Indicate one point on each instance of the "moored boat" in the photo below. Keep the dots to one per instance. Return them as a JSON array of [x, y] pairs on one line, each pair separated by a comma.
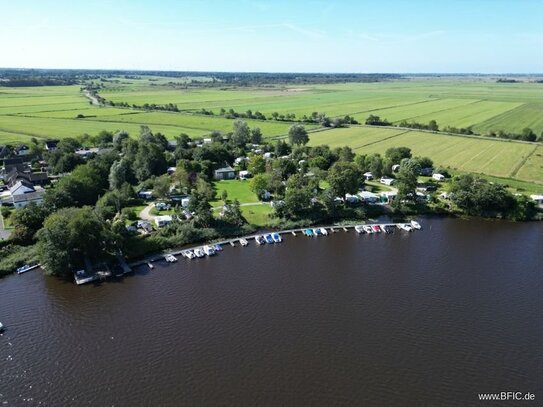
[[218, 248], [405, 226], [243, 241], [276, 237], [376, 228], [199, 253], [367, 229], [359, 229], [316, 232], [269, 238], [209, 250], [2, 327], [260, 239], [415, 224], [308, 232], [23, 269], [189, 254], [324, 231], [170, 258]]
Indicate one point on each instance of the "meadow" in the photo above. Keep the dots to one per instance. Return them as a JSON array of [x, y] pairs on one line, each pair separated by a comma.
[[481, 103], [501, 158]]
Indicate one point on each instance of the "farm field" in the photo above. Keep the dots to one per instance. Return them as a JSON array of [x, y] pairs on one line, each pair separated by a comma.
[[492, 157], [51, 112]]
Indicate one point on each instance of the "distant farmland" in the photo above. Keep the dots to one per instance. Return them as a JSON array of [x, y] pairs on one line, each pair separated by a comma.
[[62, 111], [493, 157]]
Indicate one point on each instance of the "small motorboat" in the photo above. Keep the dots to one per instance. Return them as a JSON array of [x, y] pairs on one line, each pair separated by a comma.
[[2, 327], [218, 248], [316, 232], [189, 254], [170, 258], [276, 237], [23, 269], [376, 228], [199, 253], [308, 232], [209, 250], [387, 229], [269, 239], [324, 231], [406, 227], [416, 225], [243, 242], [367, 229], [260, 240], [150, 265], [359, 229]]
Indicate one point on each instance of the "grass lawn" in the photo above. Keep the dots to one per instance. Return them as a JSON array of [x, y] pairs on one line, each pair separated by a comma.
[[258, 214], [236, 189]]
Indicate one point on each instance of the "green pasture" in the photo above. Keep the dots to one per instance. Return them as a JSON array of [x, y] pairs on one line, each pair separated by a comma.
[[499, 158]]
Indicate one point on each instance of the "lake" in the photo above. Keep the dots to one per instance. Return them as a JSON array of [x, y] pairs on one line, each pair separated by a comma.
[[432, 317]]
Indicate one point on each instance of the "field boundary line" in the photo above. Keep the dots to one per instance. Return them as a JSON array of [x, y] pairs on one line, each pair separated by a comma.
[[522, 162], [381, 140]]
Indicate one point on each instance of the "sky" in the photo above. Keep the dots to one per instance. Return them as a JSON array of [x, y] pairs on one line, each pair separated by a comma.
[[411, 36]]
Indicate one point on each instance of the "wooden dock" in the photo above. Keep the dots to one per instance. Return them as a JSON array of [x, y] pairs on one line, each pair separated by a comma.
[[160, 256]]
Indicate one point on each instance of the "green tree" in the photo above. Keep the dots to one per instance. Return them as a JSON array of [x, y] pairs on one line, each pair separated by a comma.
[[119, 139], [407, 182], [256, 135], [68, 236], [233, 215], [257, 164], [119, 174], [161, 188], [344, 178], [199, 205], [432, 125], [241, 134], [26, 222], [297, 135]]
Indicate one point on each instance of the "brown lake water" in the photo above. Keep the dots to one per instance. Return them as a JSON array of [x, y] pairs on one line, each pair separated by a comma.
[[428, 318]]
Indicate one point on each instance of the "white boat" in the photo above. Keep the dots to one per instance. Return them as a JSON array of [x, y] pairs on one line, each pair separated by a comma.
[[2, 327], [260, 240], [209, 251], [316, 232], [150, 265], [405, 226], [367, 229], [170, 258], [23, 269], [359, 229], [189, 254], [324, 231], [276, 237], [199, 253], [416, 224], [243, 242]]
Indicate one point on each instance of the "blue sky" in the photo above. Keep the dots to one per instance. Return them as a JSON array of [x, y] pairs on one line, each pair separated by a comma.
[[485, 36]]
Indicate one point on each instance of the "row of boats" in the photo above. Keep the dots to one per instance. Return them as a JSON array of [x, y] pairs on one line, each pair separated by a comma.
[[369, 229], [269, 238], [272, 238]]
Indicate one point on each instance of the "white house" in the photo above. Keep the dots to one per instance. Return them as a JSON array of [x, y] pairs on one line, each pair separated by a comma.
[[538, 200], [387, 181], [22, 193], [163, 220], [368, 176], [389, 196], [438, 177]]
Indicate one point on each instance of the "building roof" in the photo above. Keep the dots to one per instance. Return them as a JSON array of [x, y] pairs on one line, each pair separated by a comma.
[[537, 197], [28, 197], [225, 169], [21, 187]]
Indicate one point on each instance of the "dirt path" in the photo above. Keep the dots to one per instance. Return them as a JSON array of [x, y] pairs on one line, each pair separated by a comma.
[[145, 213], [92, 98]]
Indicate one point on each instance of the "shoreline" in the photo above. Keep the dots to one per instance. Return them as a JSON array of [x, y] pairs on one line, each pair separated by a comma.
[[333, 228]]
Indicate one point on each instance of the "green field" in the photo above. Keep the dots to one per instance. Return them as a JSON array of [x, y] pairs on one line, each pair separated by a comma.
[[50, 112], [474, 154]]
